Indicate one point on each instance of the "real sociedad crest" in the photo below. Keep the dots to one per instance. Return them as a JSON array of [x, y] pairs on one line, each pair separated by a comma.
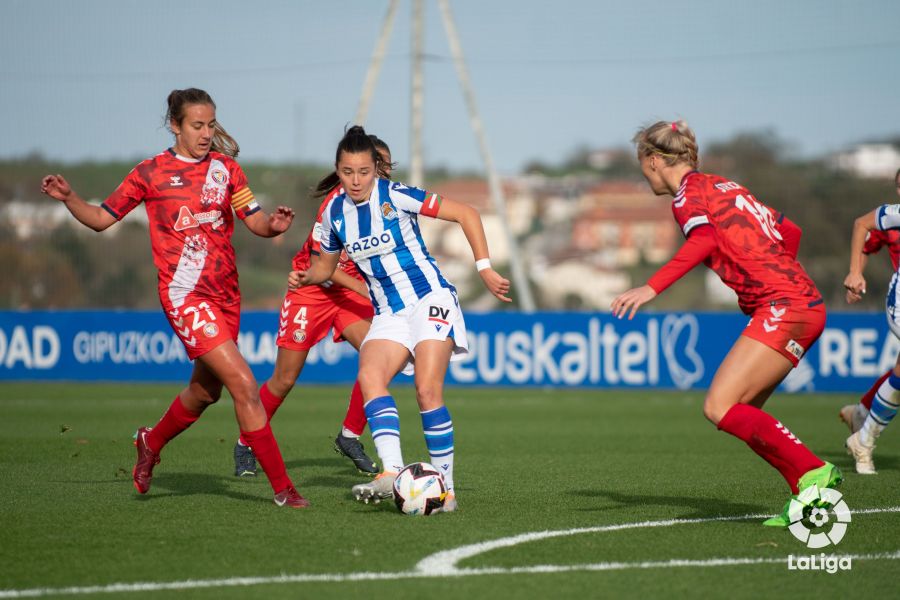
[[388, 211]]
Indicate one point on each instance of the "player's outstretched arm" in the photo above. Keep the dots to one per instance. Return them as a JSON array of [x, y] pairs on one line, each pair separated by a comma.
[[320, 270], [270, 225], [470, 222], [854, 282], [352, 283], [90, 215]]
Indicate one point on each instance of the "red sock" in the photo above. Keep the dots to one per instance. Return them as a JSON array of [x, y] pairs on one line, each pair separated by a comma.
[[270, 402], [771, 440], [269, 456], [175, 420], [355, 420], [867, 399]]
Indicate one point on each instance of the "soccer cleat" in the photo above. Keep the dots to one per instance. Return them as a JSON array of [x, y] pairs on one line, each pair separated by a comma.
[[146, 460], [853, 416], [244, 461], [449, 503], [291, 498], [353, 449], [826, 476], [782, 519], [378, 489], [862, 454]]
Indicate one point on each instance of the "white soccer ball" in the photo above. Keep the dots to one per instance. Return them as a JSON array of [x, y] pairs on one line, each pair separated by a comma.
[[419, 489]]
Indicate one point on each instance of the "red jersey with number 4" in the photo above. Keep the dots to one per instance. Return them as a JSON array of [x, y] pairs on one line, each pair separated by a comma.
[[750, 257], [313, 244], [189, 204], [890, 238]]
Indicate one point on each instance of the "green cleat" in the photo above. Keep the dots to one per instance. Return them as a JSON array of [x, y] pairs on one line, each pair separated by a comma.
[[826, 476], [782, 519]]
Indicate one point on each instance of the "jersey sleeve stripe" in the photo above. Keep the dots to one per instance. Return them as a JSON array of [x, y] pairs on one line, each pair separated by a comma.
[[105, 207], [694, 222]]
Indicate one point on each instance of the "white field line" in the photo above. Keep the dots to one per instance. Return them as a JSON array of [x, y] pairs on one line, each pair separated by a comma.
[[443, 564]]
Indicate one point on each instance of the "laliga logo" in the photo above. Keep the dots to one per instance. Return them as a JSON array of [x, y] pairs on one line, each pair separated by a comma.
[[819, 517], [671, 330]]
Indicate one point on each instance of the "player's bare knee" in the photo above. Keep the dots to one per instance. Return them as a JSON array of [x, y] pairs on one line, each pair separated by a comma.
[[244, 392], [281, 384], [429, 395]]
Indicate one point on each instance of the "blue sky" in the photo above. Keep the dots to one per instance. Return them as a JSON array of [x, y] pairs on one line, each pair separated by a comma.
[[88, 80]]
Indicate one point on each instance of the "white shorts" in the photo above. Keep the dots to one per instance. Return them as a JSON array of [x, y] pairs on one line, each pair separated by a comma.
[[892, 306], [437, 316]]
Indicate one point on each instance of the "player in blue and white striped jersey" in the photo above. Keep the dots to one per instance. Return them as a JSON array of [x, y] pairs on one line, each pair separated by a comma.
[[417, 315], [886, 403]]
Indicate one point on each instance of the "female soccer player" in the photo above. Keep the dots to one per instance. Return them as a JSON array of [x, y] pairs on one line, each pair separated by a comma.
[[738, 237], [190, 192], [417, 314], [307, 314], [878, 407]]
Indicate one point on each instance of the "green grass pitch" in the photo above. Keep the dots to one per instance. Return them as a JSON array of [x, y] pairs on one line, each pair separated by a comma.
[[527, 461]]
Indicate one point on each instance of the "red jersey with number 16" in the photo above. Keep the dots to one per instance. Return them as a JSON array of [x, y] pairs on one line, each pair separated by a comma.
[[750, 257], [189, 204]]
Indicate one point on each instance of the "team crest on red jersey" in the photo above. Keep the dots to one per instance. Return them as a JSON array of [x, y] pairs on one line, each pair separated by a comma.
[[218, 176]]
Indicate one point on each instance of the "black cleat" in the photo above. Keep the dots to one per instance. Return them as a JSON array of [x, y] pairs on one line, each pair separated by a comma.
[[353, 449], [244, 461]]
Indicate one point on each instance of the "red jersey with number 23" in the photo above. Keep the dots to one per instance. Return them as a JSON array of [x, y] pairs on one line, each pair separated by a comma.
[[750, 257], [189, 204]]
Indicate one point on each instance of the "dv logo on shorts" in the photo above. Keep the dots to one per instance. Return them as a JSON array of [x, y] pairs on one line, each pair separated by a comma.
[[438, 315], [210, 330]]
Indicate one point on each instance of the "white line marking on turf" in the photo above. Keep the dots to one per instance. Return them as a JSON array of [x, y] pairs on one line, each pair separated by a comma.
[[443, 564]]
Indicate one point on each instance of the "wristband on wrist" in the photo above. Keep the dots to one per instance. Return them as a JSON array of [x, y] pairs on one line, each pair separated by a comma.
[[484, 263]]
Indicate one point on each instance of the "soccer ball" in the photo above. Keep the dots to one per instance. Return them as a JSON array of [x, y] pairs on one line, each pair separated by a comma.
[[419, 489]]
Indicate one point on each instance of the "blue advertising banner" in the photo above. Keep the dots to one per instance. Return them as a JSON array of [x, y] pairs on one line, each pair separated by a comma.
[[666, 350]]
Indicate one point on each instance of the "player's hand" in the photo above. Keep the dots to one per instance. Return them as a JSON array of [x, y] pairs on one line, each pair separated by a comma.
[[496, 284], [56, 187], [280, 220], [295, 278], [855, 284], [632, 300]]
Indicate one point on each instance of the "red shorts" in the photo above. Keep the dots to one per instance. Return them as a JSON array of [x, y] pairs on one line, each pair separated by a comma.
[[790, 328], [202, 324], [308, 313]]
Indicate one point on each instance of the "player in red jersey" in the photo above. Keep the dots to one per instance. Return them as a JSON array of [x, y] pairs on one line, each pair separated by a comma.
[[307, 314], [190, 193], [864, 421], [854, 415], [740, 239]]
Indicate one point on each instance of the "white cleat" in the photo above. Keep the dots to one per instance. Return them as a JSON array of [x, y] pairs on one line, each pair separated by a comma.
[[380, 488], [862, 454], [449, 503], [853, 416]]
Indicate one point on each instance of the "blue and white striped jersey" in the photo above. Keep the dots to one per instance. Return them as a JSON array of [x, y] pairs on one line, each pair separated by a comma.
[[382, 237], [887, 217]]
